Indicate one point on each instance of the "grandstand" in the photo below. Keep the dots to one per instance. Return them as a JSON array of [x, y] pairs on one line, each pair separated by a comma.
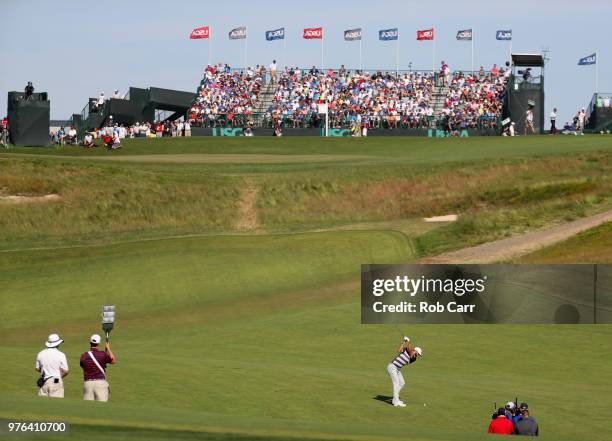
[[229, 97], [599, 113]]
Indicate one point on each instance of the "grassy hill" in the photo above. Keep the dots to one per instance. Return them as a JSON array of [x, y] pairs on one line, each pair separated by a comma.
[[225, 333]]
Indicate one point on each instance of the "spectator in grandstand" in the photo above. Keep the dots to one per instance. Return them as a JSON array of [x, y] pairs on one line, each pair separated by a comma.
[[29, 91], [444, 74], [273, 72], [88, 141], [507, 71], [117, 95], [159, 129], [481, 72], [553, 121]]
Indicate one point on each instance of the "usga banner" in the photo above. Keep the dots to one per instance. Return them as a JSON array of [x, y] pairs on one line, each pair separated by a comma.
[[238, 33], [352, 34], [388, 34], [587, 61], [276, 34], [313, 33], [197, 33], [465, 35], [426, 34], [504, 34]]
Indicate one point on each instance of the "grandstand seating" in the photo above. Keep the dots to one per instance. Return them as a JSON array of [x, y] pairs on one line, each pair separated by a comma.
[[413, 99]]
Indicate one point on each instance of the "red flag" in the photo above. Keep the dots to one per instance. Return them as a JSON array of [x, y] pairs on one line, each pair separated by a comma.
[[427, 34], [313, 33], [197, 33]]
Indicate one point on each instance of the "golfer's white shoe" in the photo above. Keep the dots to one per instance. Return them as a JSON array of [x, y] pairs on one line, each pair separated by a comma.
[[399, 404]]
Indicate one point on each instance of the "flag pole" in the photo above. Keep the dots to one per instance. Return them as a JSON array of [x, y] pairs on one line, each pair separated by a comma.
[[433, 63], [246, 51], [210, 48], [360, 59], [596, 72], [322, 68], [472, 51], [285, 49], [397, 55]]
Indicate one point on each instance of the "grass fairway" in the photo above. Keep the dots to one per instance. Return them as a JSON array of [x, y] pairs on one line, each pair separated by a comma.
[[236, 334]]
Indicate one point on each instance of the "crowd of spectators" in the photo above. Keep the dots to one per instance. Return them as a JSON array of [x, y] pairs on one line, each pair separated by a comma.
[[375, 100], [227, 97], [380, 99], [112, 133], [474, 100]]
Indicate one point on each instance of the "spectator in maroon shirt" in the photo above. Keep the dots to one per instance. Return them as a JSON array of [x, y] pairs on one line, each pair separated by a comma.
[[93, 363], [501, 425]]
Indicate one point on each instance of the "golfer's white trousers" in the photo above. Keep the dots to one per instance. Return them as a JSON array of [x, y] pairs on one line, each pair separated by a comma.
[[398, 381]]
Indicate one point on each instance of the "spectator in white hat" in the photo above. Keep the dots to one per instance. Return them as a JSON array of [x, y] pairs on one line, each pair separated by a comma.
[[93, 363], [53, 366]]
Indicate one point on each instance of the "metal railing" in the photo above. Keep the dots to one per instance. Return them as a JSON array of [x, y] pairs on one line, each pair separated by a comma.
[[599, 100], [343, 121]]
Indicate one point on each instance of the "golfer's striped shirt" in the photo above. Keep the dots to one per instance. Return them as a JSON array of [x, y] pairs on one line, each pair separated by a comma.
[[403, 359]]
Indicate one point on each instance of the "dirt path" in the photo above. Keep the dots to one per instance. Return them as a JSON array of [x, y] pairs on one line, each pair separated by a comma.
[[520, 245], [247, 218]]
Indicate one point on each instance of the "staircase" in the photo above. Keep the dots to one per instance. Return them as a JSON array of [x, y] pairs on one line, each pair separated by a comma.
[[438, 97], [265, 99]]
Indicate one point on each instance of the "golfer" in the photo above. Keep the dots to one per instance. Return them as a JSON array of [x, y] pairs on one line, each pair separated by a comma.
[[94, 364], [407, 354], [53, 366]]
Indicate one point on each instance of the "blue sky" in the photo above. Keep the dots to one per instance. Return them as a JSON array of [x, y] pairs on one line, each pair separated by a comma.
[[75, 49]]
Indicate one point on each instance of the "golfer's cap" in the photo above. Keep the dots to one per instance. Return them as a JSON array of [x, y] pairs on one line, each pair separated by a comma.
[[510, 405], [419, 351], [53, 341], [524, 406], [95, 339]]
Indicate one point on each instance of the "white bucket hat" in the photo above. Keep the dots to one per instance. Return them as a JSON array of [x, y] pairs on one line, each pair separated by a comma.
[[95, 339], [419, 351], [53, 341]]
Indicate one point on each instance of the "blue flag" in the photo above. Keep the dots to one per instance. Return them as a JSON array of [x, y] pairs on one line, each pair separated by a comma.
[[504, 35], [388, 34], [587, 61], [276, 34]]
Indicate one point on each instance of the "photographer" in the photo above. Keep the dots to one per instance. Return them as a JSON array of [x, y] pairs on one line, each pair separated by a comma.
[[29, 91], [53, 367], [501, 425], [526, 424]]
